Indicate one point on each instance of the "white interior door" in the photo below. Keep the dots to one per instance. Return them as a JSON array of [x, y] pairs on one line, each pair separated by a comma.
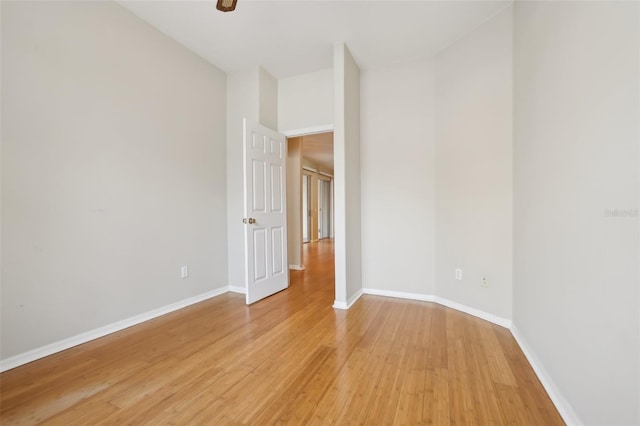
[[265, 212]]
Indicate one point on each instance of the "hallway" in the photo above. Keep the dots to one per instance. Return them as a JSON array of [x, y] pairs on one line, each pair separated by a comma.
[[290, 358], [317, 279]]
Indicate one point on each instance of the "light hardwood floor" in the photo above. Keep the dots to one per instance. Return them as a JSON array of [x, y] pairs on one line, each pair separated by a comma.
[[290, 359]]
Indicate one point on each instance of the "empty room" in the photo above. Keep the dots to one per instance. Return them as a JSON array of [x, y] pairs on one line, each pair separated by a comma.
[[320, 212]]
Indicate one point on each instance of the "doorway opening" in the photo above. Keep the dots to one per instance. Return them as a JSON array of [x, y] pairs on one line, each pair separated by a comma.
[[324, 208], [309, 197], [317, 204]]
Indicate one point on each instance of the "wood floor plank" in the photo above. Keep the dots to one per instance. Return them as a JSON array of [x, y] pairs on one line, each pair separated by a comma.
[[68, 392], [289, 359], [435, 409], [461, 377], [370, 367], [481, 383], [411, 398], [536, 401]]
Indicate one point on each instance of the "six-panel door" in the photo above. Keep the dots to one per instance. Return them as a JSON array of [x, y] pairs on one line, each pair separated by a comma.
[[265, 201]]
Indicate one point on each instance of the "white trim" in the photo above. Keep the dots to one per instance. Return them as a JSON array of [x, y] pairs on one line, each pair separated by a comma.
[[237, 289], [399, 294], [353, 299], [52, 348], [326, 174], [349, 303], [503, 322], [562, 405], [309, 169], [297, 267], [340, 305], [308, 130]]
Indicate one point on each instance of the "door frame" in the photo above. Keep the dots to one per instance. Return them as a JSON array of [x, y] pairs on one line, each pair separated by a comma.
[[292, 133]]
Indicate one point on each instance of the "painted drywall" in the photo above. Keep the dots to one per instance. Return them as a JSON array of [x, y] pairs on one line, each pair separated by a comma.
[[398, 178], [243, 101], [294, 201], [113, 171], [576, 160], [268, 99], [346, 149], [474, 168], [305, 101]]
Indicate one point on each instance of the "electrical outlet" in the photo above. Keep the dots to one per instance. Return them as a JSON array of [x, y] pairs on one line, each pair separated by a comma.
[[458, 274], [484, 282], [184, 272]]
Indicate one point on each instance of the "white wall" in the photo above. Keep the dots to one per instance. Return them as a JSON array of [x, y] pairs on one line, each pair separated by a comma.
[[474, 167], [398, 178], [268, 99], [243, 101], [113, 171], [346, 149], [305, 101], [576, 70]]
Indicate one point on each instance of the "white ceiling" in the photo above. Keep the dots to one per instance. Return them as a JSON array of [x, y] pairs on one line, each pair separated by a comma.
[[319, 149], [295, 37]]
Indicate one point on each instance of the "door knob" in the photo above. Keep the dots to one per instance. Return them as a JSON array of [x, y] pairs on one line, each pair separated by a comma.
[[250, 221]]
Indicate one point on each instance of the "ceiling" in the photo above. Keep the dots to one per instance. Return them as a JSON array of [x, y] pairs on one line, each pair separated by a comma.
[[319, 149], [296, 36]]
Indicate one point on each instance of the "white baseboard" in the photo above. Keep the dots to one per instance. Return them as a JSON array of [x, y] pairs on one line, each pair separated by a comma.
[[237, 289], [503, 322], [562, 405], [399, 294], [353, 299], [50, 349], [297, 267], [340, 305], [349, 303]]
